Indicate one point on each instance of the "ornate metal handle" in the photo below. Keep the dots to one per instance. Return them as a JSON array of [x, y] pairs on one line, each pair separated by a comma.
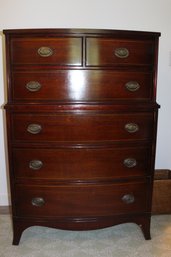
[[38, 201], [45, 51], [33, 86], [130, 162], [128, 199], [35, 164], [121, 52], [34, 128], [131, 127], [132, 86]]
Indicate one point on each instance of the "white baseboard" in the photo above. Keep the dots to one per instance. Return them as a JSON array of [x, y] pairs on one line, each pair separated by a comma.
[[4, 200]]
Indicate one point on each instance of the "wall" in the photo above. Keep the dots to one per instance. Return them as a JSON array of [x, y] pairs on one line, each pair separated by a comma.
[[153, 15]]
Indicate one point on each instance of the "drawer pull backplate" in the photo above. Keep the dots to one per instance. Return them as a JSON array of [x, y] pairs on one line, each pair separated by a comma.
[[35, 164], [131, 127], [121, 52], [38, 201], [33, 86], [132, 86], [34, 128], [128, 198], [45, 51], [130, 162]]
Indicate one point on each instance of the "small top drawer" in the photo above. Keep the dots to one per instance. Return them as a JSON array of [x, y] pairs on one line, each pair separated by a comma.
[[111, 52], [55, 51]]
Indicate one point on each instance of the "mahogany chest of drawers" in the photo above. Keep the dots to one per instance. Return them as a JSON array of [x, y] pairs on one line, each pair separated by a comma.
[[81, 125]]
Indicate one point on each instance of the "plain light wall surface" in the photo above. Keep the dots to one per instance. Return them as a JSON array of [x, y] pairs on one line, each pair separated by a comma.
[[146, 15]]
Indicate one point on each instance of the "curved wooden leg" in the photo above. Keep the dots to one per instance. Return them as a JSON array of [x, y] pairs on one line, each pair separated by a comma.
[[18, 227], [145, 227], [17, 232]]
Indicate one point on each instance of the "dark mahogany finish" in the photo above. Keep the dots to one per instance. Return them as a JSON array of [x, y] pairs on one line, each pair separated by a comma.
[[100, 52], [81, 123], [95, 163], [66, 51], [81, 127], [93, 85], [97, 199]]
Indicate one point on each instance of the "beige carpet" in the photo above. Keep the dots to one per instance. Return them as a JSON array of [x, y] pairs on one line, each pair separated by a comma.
[[124, 240]]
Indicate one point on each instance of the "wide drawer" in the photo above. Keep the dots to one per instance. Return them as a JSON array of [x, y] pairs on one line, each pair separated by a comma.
[[81, 127], [81, 163], [55, 51], [109, 52], [81, 85], [81, 200]]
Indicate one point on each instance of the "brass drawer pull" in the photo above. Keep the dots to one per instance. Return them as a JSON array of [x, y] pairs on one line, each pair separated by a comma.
[[38, 201], [121, 52], [35, 164], [128, 198], [131, 127], [130, 162], [33, 86], [34, 128], [45, 51], [132, 86]]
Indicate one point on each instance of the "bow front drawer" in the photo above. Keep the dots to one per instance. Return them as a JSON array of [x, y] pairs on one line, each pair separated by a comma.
[[94, 163], [81, 200], [81, 127], [44, 51], [81, 85]]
